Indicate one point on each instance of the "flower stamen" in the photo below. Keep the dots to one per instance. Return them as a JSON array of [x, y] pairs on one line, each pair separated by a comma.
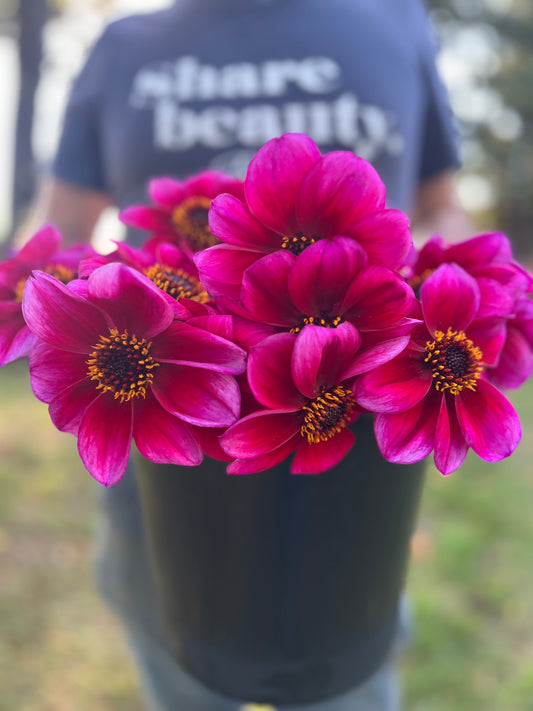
[[177, 283], [296, 243], [190, 219], [317, 321], [328, 414], [122, 365], [454, 360]]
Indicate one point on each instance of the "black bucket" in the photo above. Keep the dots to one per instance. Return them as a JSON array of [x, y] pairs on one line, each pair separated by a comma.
[[279, 588]]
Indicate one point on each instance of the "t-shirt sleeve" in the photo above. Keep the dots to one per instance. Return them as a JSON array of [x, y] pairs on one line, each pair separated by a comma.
[[440, 140], [79, 157]]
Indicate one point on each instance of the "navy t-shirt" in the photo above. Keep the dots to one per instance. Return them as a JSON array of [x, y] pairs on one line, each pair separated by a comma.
[[205, 83]]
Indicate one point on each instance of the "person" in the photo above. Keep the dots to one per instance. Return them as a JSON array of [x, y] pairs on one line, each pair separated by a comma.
[[202, 85]]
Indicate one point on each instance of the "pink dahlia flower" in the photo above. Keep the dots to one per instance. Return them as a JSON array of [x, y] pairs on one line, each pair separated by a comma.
[[180, 210], [435, 396], [295, 197], [115, 366], [304, 383], [488, 258], [330, 283], [42, 252]]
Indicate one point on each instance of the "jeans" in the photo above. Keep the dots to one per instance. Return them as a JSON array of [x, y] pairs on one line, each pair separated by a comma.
[[126, 584]]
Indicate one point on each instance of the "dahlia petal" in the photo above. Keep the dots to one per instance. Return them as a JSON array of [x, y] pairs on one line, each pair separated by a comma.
[[491, 247], [495, 300], [316, 458], [232, 222], [450, 445], [20, 345], [212, 182], [15, 337], [408, 437], [216, 324], [395, 386], [249, 333], [221, 269], [377, 298], [201, 397], [274, 177], [269, 373], [167, 192], [385, 236], [450, 299], [163, 438], [375, 355], [489, 422], [322, 274], [132, 301], [67, 408], [52, 369], [56, 315], [516, 361], [489, 336], [430, 255], [183, 344], [260, 433], [208, 440], [265, 290], [337, 190], [104, 439], [321, 355], [41, 246], [152, 219], [253, 465]]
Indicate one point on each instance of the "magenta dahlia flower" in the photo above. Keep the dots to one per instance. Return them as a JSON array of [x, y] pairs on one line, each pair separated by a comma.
[[330, 283], [180, 210], [42, 252], [304, 383], [435, 395], [115, 366], [294, 198]]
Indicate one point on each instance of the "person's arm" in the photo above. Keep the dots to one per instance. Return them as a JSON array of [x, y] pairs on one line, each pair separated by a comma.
[[437, 210], [73, 209]]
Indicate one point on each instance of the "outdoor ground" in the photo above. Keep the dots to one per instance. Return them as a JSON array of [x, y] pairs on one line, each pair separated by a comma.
[[61, 650]]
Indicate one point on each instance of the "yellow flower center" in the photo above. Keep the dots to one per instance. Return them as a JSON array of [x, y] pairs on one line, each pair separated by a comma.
[[177, 283], [122, 365], [327, 415], [454, 360], [317, 321], [190, 220], [296, 243]]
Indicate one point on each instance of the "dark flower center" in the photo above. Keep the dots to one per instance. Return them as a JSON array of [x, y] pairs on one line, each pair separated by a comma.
[[122, 365], [177, 283], [296, 243], [325, 322], [454, 360], [190, 219], [327, 415]]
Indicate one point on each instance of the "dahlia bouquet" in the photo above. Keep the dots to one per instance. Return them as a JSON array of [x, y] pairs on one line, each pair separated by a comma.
[[260, 319]]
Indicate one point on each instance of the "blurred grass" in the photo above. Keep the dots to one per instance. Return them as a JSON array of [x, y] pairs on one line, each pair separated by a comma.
[[470, 579]]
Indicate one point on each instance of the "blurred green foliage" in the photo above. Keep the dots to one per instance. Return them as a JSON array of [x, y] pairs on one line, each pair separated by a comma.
[[488, 64]]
